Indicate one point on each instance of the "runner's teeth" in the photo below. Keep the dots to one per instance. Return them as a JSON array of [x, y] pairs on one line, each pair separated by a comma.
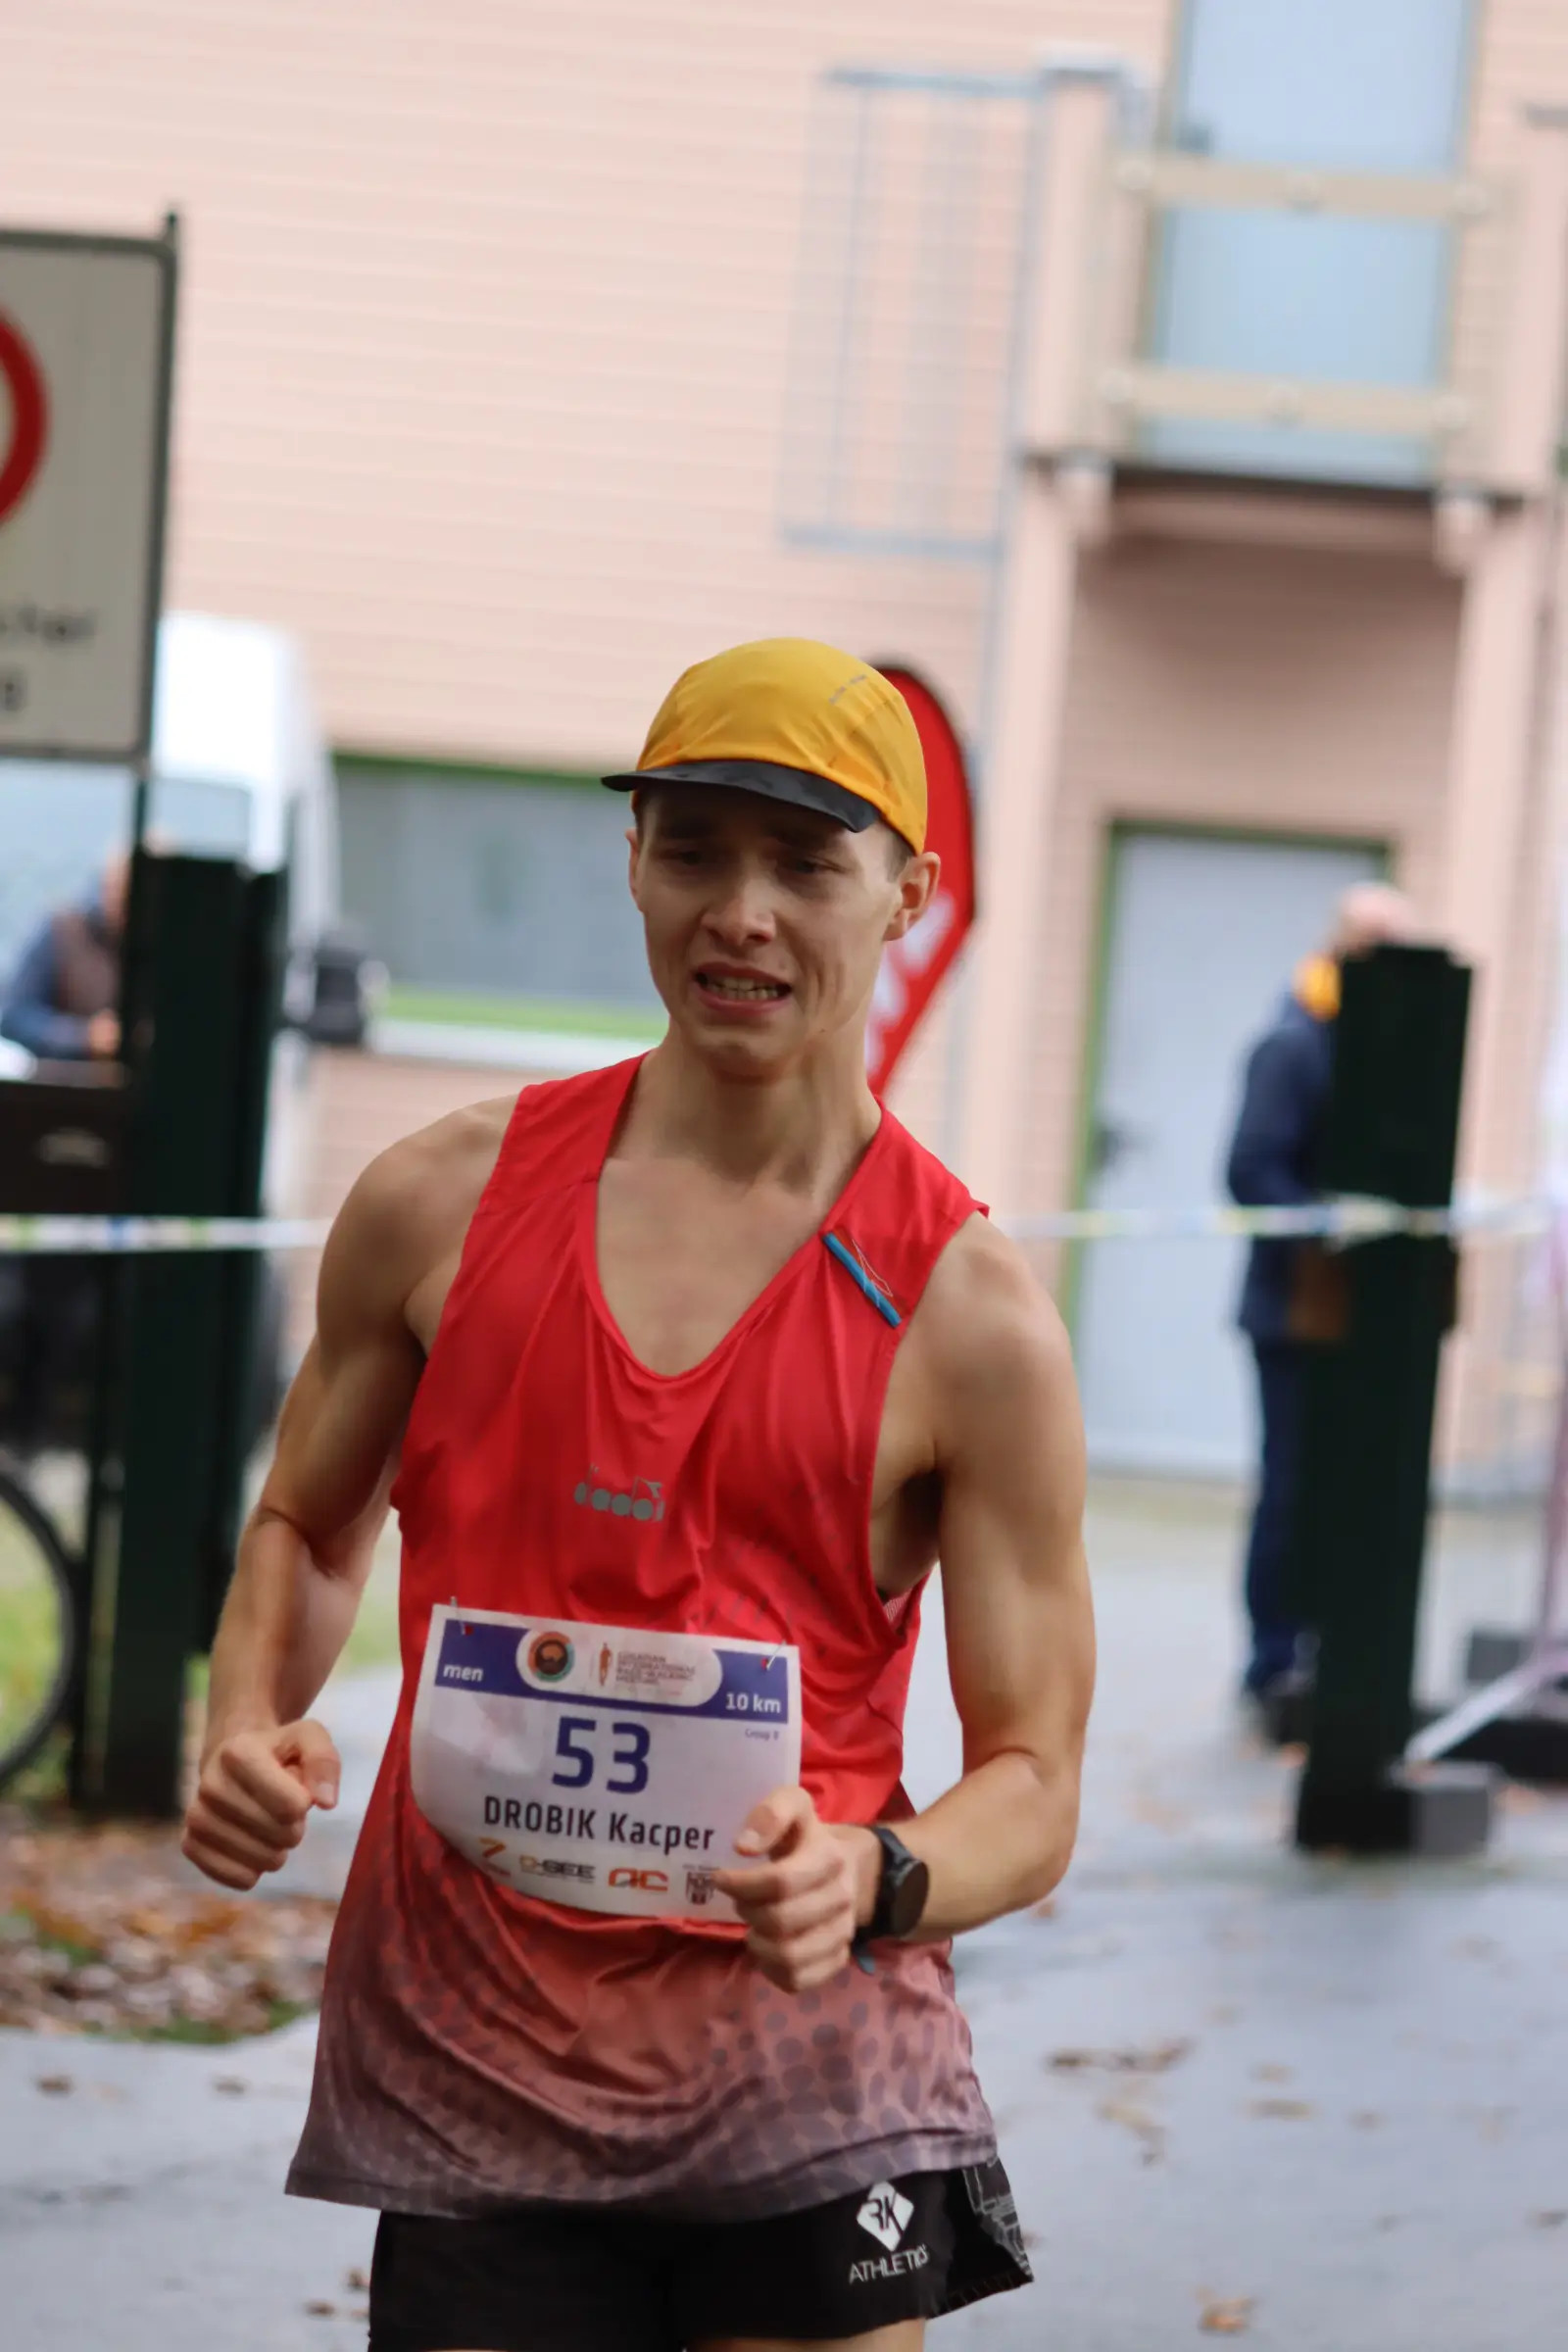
[[743, 988]]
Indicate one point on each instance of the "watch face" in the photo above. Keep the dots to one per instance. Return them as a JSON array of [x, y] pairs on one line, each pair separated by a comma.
[[908, 1904]]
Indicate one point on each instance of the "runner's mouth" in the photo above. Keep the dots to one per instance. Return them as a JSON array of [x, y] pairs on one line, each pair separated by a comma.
[[734, 988]]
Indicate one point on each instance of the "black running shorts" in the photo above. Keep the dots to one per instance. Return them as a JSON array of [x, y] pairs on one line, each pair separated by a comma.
[[570, 2278]]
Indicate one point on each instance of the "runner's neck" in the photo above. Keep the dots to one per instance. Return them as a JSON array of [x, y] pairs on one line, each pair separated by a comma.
[[802, 1131]]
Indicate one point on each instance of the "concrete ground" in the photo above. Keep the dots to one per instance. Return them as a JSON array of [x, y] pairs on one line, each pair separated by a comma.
[[1312, 2103]]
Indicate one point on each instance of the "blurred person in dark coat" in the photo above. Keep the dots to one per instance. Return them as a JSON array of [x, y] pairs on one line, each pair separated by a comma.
[[61, 1004], [1274, 1163]]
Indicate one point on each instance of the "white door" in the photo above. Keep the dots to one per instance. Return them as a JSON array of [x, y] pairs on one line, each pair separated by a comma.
[[1204, 936], [1371, 85]]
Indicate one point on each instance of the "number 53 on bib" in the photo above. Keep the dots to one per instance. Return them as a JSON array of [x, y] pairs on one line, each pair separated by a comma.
[[597, 1765]]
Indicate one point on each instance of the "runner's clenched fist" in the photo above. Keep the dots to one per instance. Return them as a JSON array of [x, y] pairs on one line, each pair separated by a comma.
[[804, 1901], [256, 1788]]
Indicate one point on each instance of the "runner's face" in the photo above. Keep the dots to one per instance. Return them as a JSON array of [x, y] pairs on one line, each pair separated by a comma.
[[765, 923]]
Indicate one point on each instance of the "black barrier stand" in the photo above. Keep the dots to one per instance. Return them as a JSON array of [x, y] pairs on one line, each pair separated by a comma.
[[205, 960], [1361, 1534]]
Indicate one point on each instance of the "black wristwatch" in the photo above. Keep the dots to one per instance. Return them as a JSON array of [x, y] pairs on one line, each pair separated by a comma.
[[900, 1894]]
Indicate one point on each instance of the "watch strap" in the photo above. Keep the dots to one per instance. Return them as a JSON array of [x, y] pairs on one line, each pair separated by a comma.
[[898, 1866]]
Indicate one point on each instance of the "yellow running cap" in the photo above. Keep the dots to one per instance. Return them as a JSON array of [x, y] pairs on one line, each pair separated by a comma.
[[795, 721]]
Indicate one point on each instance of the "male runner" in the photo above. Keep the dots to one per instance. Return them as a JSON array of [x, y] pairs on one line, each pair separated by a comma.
[[687, 1371]]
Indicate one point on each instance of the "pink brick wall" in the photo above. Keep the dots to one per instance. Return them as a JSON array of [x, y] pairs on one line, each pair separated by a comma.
[[484, 329], [1250, 688], [485, 321]]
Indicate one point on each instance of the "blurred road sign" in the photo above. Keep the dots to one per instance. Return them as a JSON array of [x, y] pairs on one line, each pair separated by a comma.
[[914, 966], [86, 340]]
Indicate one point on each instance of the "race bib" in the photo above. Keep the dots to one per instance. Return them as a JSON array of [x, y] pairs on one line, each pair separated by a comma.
[[596, 1765]]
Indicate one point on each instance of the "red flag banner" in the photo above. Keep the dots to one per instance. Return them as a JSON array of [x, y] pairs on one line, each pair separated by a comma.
[[914, 966]]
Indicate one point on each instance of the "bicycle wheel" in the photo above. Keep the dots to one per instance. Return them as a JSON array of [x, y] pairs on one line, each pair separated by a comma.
[[38, 1629]]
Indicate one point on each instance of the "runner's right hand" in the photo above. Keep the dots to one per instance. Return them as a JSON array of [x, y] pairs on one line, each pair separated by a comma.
[[256, 1787]]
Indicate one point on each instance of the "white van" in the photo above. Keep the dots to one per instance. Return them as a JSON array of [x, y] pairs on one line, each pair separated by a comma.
[[239, 771]]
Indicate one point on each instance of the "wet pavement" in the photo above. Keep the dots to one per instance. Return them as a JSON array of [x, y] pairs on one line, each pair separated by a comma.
[[1310, 2103], [1319, 2101]]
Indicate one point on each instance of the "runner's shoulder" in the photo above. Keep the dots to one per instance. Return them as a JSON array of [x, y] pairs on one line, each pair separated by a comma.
[[991, 1332], [412, 1205]]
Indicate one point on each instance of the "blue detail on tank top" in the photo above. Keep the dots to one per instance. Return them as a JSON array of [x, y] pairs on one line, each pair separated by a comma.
[[857, 1273]]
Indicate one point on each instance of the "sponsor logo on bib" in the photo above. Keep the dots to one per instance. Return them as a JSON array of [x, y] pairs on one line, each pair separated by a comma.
[[550, 1657], [552, 1867]]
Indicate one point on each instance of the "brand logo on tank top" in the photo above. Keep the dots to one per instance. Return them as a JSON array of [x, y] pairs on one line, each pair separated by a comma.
[[596, 1493]]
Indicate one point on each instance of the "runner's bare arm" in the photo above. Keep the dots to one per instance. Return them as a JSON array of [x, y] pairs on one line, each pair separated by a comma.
[[1015, 1585], [306, 1547], [998, 1378]]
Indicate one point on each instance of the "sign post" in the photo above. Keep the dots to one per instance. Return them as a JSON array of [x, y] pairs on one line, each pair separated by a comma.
[[1359, 1528]]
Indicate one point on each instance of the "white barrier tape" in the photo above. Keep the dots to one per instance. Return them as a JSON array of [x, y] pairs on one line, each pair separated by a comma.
[[138, 1237], [1346, 1220]]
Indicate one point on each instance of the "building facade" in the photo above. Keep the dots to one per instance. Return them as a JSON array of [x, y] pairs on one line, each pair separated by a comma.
[[1175, 383]]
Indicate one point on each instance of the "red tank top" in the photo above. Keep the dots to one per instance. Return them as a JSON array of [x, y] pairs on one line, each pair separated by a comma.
[[480, 2048]]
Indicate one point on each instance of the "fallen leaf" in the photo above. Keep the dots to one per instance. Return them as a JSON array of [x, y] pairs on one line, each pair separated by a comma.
[[321, 2310], [232, 2085], [1284, 2111], [1137, 2120], [357, 2283], [1548, 2220], [1227, 2318], [56, 2084], [1273, 2074], [1154, 2061]]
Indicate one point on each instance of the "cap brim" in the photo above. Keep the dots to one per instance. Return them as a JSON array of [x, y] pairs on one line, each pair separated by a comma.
[[795, 785]]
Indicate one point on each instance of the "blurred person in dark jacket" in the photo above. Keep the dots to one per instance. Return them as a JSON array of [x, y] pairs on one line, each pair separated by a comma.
[[61, 1004], [1274, 1163]]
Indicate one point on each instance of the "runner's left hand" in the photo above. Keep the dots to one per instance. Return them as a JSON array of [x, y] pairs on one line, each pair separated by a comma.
[[801, 1903]]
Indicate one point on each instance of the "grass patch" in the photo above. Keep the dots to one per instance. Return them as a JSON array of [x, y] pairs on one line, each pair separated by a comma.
[[375, 1638], [30, 1628], [562, 1016], [43, 1786], [208, 2031]]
